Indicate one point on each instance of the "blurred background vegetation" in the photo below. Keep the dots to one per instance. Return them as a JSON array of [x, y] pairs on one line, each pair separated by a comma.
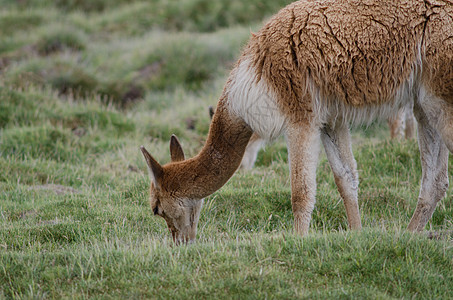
[[62, 63], [123, 49]]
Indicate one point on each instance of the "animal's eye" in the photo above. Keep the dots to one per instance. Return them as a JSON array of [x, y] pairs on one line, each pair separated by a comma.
[[156, 210]]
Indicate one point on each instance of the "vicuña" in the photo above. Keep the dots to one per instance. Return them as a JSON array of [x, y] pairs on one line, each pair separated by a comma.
[[315, 68]]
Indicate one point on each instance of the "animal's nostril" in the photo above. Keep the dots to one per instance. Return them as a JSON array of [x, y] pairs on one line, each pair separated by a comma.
[[156, 210]]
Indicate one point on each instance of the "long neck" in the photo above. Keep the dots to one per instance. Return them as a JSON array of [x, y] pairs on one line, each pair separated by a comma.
[[220, 157]]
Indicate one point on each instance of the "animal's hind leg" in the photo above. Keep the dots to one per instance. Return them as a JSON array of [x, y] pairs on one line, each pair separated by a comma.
[[251, 152], [397, 124], [409, 130], [434, 159], [303, 147], [337, 144], [438, 114]]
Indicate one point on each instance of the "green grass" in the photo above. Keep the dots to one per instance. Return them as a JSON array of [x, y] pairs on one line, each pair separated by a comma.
[[84, 83], [367, 265]]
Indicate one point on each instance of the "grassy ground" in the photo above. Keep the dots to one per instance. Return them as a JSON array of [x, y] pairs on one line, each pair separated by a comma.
[[83, 84]]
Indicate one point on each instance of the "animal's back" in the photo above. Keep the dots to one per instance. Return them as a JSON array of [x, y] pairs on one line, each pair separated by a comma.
[[355, 52]]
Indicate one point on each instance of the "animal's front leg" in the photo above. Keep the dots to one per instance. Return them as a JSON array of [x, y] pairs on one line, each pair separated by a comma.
[[303, 147]]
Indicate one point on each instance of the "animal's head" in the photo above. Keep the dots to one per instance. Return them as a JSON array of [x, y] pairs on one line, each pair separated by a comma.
[[167, 195]]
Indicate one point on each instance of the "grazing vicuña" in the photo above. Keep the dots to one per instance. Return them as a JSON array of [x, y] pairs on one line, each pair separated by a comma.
[[316, 67]]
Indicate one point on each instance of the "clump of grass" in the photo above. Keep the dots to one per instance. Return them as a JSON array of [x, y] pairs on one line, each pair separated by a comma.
[[12, 21], [15, 108], [46, 142], [65, 5], [187, 15], [36, 142], [18, 171], [39, 107], [62, 74], [136, 18], [204, 15], [88, 5], [187, 59], [59, 38], [26, 173], [110, 122], [70, 78], [123, 93]]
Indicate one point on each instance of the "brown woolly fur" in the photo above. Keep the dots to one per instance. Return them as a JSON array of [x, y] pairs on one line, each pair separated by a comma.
[[315, 67], [358, 52], [438, 74]]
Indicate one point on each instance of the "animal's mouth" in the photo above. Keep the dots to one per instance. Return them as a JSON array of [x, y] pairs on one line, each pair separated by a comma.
[[177, 239], [174, 234]]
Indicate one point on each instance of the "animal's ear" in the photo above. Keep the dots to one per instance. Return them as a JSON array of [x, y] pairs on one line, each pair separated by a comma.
[[211, 112], [155, 169], [176, 152]]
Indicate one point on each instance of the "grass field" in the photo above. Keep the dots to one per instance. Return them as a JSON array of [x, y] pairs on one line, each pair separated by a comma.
[[84, 83]]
